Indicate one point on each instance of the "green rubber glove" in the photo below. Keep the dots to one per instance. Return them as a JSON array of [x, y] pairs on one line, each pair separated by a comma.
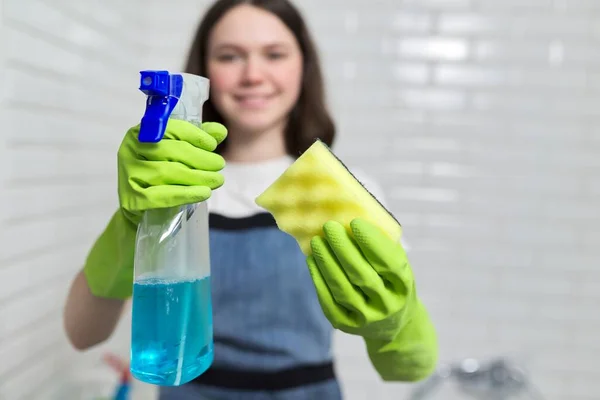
[[180, 169], [363, 279], [366, 287], [412, 355]]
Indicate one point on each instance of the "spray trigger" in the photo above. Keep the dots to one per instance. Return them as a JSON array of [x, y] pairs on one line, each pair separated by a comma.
[[163, 91]]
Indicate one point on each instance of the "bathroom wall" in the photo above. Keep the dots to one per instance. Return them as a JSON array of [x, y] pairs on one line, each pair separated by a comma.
[[71, 76], [479, 117]]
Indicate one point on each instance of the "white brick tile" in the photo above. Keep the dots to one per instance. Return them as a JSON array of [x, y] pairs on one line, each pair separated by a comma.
[[459, 23], [344, 147], [548, 53], [556, 210], [37, 123], [577, 6], [511, 77], [36, 13], [522, 52], [428, 157], [575, 106], [451, 170], [432, 99], [24, 348], [33, 236], [23, 383], [593, 185], [432, 48], [411, 72], [65, 60], [412, 22], [65, 196], [50, 91], [559, 259], [377, 21], [368, 73], [45, 163], [431, 143], [591, 238], [425, 194], [46, 267], [497, 257], [358, 47], [27, 308], [469, 76], [520, 24], [513, 5], [396, 168], [438, 5]]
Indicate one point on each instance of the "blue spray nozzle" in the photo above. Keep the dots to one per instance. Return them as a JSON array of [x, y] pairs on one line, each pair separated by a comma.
[[163, 90]]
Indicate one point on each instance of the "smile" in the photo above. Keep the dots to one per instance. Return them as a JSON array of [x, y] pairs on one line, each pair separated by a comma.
[[253, 101]]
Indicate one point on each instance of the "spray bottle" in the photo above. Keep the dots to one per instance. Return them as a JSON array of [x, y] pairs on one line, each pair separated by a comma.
[[172, 332]]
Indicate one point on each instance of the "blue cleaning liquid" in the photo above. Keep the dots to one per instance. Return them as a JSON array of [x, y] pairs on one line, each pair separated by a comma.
[[172, 332]]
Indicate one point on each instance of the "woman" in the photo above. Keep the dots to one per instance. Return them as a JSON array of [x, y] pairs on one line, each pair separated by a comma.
[[273, 308]]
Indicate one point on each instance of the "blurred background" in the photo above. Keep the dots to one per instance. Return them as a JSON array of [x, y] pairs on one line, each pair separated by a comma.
[[481, 118]]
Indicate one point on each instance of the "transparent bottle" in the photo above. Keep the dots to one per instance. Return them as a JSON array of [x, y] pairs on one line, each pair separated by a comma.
[[171, 333]]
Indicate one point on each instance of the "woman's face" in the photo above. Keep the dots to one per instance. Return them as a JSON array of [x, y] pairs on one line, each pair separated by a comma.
[[255, 69]]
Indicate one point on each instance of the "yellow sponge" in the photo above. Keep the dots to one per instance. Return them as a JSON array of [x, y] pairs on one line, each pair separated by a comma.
[[317, 188]]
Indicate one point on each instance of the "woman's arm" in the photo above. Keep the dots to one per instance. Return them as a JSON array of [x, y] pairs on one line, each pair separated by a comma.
[[98, 292], [89, 320], [412, 355]]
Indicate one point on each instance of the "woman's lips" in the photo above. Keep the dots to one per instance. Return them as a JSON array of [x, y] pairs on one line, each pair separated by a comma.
[[254, 100]]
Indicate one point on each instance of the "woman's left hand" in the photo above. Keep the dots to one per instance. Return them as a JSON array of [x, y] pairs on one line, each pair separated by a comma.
[[363, 280]]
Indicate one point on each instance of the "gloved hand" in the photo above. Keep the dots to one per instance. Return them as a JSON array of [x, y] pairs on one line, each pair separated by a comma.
[[366, 287], [180, 169], [363, 280]]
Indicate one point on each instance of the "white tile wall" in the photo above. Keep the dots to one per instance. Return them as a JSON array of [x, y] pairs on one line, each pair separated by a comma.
[[67, 69], [480, 117]]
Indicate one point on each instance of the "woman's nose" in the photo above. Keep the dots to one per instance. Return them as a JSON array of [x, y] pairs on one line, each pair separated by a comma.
[[253, 71]]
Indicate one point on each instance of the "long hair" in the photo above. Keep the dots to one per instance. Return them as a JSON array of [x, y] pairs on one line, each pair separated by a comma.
[[309, 119]]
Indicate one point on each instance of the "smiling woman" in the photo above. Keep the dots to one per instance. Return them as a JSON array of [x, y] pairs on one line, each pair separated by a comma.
[[265, 79], [272, 323]]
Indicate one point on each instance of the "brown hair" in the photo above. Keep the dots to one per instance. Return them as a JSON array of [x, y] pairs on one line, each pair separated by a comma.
[[309, 119]]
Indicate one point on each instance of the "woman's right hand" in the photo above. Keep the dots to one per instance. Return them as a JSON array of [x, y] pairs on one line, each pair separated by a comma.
[[180, 169]]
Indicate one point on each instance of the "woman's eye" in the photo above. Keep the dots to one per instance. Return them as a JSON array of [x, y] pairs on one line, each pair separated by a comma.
[[276, 56], [227, 57]]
